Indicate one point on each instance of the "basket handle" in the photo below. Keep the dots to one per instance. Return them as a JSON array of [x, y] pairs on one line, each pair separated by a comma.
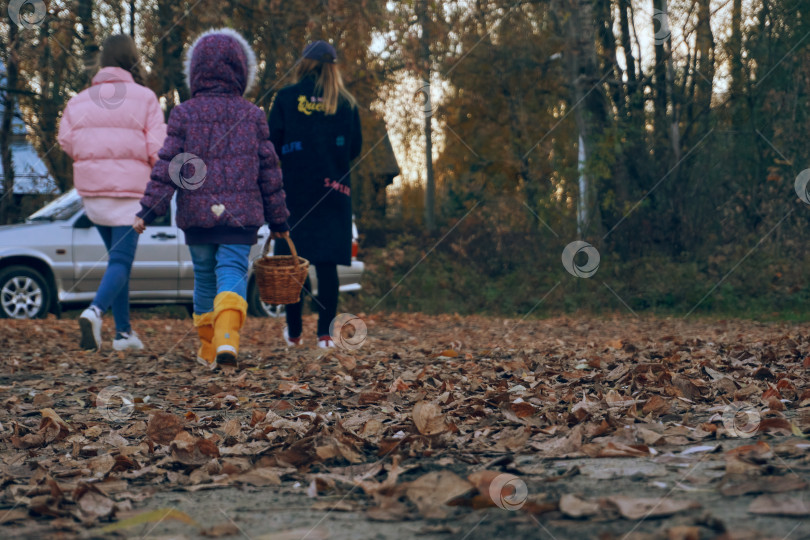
[[266, 248]]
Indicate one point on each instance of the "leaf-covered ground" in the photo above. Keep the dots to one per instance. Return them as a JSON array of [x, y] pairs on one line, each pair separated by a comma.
[[441, 427]]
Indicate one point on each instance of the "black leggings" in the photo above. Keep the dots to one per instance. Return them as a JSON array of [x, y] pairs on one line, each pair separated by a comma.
[[327, 301]]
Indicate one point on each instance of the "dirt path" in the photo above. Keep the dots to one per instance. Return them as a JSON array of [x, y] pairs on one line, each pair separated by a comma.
[[430, 427]]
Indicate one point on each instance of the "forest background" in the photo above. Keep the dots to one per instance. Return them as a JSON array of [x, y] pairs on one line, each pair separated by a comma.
[[669, 135]]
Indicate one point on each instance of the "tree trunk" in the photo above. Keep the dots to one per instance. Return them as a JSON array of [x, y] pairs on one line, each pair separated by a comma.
[[660, 23], [50, 103], [629, 59], [588, 108], [87, 38], [705, 59], [735, 49], [634, 151], [674, 124], [430, 187], [169, 59], [9, 108], [132, 18], [603, 13]]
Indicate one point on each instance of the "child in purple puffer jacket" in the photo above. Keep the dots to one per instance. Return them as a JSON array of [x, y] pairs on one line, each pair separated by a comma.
[[219, 158]]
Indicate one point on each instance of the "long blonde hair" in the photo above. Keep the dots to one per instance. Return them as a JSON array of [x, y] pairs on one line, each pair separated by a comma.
[[329, 82], [120, 51]]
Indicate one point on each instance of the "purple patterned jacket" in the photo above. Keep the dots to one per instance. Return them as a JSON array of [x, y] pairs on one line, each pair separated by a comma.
[[217, 153]]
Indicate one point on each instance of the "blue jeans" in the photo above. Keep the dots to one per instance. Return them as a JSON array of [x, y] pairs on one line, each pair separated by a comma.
[[218, 268], [121, 243]]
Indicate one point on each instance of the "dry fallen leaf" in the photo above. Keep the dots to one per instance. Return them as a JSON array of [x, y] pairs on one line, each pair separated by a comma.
[[617, 449], [767, 484], [261, 476], [222, 529], [96, 505], [152, 516], [190, 450], [758, 452], [101, 465], [684, 532], [428, 418], [334, 506], [497, 488], [15, 514], [232, 427], [431, 491], [639, 508], [388, 509], [49, 415], [308, 533], [615, 399], [574, 507], [561, 446], [347, 362], [163, 427], [655, 405], [359, 423], [779, 505]]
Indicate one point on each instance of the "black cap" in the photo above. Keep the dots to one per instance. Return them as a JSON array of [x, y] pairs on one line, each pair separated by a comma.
[[320, 51]]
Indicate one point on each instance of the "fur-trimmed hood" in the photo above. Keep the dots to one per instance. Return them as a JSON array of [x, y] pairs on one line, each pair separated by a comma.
[[220, 61]]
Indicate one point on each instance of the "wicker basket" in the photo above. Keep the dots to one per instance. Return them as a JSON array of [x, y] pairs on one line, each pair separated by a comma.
[[280, 278]]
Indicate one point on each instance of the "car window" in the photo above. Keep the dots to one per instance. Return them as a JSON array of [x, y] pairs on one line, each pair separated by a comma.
[[60, 208]]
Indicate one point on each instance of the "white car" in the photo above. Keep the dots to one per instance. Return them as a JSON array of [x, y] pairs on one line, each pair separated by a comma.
[[56, 258]]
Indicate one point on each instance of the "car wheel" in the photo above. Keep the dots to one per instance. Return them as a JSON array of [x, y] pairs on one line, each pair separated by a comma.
[[24, 293], [257, 308]]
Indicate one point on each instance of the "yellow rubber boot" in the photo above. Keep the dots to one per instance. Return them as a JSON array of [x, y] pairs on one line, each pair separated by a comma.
[[230, 311], [206, 354]]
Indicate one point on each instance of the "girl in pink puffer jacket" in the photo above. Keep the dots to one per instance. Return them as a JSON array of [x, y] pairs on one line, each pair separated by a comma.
[[113, 131]]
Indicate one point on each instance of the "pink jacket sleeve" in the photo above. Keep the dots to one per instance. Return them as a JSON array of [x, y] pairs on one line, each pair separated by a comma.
[[155, 130], [65, 136]]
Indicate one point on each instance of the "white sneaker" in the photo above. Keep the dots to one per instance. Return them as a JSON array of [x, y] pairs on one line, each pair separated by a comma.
[[292, 342], [124, 341], [325, 342], [90, 326]]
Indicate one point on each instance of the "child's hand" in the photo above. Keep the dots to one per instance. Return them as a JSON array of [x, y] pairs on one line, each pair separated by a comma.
[[280, 235], [139, 225]]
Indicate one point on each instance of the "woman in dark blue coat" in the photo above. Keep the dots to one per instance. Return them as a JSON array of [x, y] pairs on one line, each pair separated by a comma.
[[315, 127]]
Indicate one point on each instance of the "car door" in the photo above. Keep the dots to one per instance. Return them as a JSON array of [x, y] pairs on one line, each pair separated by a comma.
[[154, 271], [185, 266], [186, 269], [89, 256]]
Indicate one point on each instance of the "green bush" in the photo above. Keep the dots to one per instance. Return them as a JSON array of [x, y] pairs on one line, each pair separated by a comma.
[[477, 270]]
